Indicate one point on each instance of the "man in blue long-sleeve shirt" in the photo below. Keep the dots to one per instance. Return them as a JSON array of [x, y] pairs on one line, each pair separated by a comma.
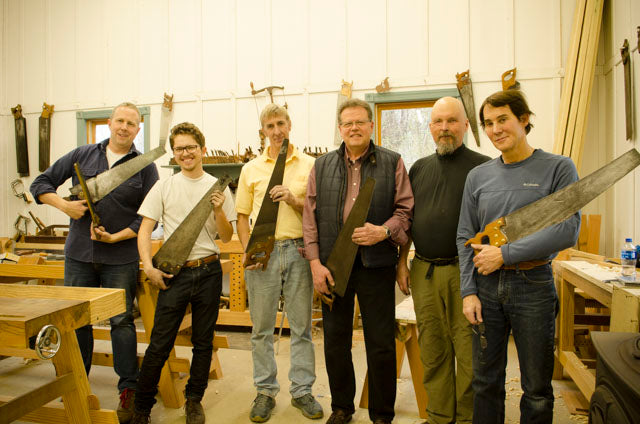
[[510, 288], [105, 256]]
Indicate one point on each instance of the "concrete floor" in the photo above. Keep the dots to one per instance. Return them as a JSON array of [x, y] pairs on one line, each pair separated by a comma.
[[228, 400]]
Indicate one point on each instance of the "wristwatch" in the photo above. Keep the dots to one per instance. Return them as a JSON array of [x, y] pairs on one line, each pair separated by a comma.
[[387, 231]]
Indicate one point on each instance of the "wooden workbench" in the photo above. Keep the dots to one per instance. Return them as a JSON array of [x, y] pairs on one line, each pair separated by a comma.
[[406, 341], [25, 310], [176, 370], [623, 302]]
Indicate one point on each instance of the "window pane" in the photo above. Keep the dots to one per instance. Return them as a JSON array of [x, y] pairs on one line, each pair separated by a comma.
[[102, 132], [406, 131]]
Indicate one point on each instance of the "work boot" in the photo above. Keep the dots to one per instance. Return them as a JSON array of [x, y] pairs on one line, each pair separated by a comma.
[[139, 418], [125, 406], [309, 406], [194, 412], [339, 416], [261, 409]]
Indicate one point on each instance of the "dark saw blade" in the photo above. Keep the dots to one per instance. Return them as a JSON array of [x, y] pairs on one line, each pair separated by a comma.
[[466, 94], [344, 250], [262, 237], [557, 206], [175, 251]]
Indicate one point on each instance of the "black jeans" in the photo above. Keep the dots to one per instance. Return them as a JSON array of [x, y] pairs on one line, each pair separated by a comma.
[[375, 288], [200, 286]]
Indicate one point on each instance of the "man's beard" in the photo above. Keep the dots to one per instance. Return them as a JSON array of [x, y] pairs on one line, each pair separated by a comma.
[[444, 146]]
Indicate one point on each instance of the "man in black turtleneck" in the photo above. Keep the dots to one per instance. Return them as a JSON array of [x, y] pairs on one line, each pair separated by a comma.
[[444, 332]]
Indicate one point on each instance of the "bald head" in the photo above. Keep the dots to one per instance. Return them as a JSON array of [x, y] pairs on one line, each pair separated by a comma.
[[448, 124]]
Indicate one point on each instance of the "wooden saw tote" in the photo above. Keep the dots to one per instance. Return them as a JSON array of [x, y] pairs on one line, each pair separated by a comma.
[[343, 95], [45, 137]]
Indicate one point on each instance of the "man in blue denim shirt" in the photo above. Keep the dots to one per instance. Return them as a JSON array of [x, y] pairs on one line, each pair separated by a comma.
[[510, 288], [105, 256]]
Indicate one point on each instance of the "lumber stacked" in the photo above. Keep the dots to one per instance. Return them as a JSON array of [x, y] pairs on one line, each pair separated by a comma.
[[578, 80]]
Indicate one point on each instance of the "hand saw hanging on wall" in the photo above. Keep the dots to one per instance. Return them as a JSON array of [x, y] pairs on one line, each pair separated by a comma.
[[557, 206], [45, 137], [466, 95], [263, 234], [343, 95], [22, 150], [102, 184], [175, 251]]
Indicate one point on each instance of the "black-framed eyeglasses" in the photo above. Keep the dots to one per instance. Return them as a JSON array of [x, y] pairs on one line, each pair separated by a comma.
[[349, 125], [189, 149]]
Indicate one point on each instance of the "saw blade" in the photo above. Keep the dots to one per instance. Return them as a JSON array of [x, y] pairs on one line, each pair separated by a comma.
[[344, 251], [466, 94], [262, 237], [104, 183], [557, 206], [175, 251]]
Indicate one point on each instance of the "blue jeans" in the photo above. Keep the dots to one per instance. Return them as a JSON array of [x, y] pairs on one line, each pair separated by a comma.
[[525, 303], [288, 272], [123, 332], [375, 288], [201, 287]]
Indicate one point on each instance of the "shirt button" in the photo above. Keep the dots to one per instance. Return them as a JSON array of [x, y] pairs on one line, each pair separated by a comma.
[[354, 183], [353, 198]]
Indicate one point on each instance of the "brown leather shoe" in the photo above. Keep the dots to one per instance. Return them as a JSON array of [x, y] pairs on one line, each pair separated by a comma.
[[381, 421], [194, 412], [125, 406], [339, 416]]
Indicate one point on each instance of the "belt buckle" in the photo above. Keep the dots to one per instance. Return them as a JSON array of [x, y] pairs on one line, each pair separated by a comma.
[[199, 262]]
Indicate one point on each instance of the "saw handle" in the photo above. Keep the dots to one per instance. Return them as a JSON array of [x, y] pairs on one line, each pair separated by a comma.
[[492, 234], [260, 253]]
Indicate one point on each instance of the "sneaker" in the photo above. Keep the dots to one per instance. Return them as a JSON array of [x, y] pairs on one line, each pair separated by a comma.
[[261, 409], [194, 412], [125, 406], [339, 416], [139, 418], [309, 406]]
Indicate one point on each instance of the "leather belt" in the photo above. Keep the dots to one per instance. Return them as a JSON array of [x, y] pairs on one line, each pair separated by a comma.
[[436, 262], [526, 265], [199, 262]]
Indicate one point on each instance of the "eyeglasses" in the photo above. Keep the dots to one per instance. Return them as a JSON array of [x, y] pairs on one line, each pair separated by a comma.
[[189, 149], [348, 125]]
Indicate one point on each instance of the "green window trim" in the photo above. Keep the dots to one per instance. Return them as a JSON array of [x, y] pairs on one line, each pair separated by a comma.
[[83, 116]]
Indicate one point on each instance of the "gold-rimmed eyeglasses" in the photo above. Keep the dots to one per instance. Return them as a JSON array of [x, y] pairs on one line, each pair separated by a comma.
[[349, 125], [189, 149]]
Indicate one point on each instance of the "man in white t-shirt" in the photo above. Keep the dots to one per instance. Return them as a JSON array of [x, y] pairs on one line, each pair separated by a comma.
[[199, 282]]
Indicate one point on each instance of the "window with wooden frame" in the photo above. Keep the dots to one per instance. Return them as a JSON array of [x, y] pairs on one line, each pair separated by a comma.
[[402, 121], [92, 127]]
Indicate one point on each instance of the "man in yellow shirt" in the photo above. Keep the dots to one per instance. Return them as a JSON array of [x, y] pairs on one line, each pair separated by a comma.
[[287, 271]]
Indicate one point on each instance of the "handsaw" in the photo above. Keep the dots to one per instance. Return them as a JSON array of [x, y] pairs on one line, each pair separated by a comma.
[[466, 94], [262, 237], [343, 95], [174, 252], [628, 94], [45, 137], [509, 80], [104, 183], [87, 196], [344, 251], [557, 206], [22, 150]]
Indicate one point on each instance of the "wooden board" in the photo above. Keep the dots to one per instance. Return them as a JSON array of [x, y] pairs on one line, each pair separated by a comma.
[[103, 303], [24, 318]]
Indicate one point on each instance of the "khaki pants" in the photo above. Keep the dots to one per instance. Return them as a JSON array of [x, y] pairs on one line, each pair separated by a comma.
[[445, 338]]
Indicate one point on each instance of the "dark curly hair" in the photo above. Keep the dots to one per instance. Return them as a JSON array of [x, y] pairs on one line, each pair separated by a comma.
[[189, 129]]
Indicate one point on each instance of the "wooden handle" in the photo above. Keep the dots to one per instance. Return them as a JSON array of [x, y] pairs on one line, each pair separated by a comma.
[[463, 79], [260, 253], [493, 232]]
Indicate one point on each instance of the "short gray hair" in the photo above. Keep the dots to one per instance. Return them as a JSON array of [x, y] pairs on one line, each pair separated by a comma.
[[355, 103]]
